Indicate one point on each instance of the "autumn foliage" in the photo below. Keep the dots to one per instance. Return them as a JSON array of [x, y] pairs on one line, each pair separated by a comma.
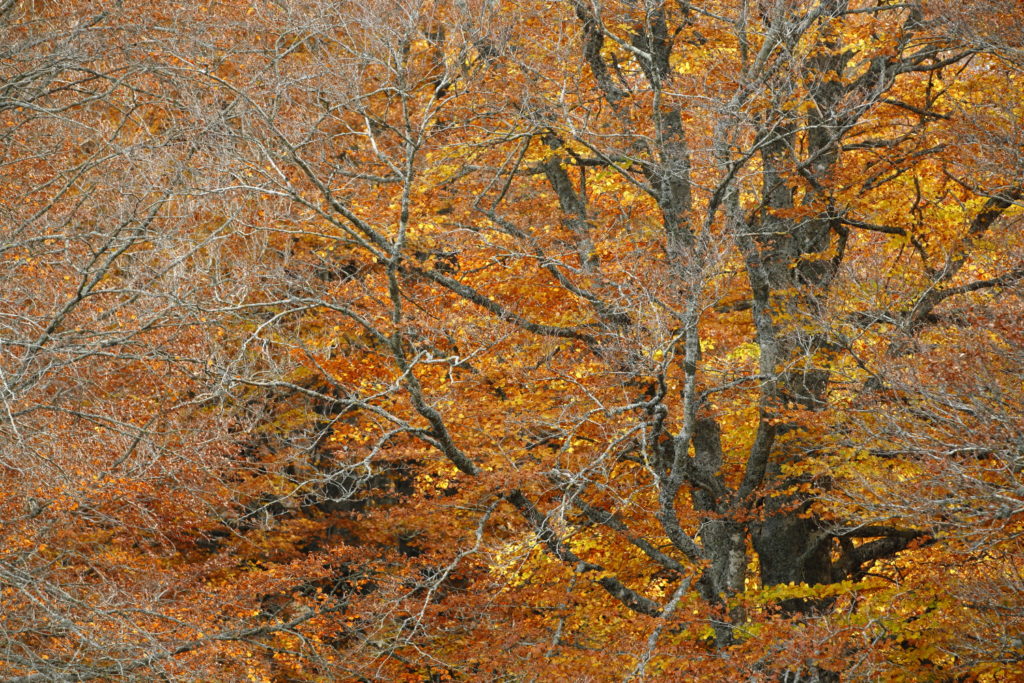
[[440, 340]]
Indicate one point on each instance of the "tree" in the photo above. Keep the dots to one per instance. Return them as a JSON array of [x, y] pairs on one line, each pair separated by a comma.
[[517, 333], [117, 456]]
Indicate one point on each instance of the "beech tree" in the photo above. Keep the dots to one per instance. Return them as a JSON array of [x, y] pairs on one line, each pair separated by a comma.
[[482, 340], [115, 455]]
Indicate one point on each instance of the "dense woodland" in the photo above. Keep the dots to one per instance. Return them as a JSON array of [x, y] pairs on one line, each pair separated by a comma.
[[483, 340]]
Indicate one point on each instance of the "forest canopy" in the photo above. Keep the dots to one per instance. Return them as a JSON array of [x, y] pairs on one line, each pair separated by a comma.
[[477, 340]]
